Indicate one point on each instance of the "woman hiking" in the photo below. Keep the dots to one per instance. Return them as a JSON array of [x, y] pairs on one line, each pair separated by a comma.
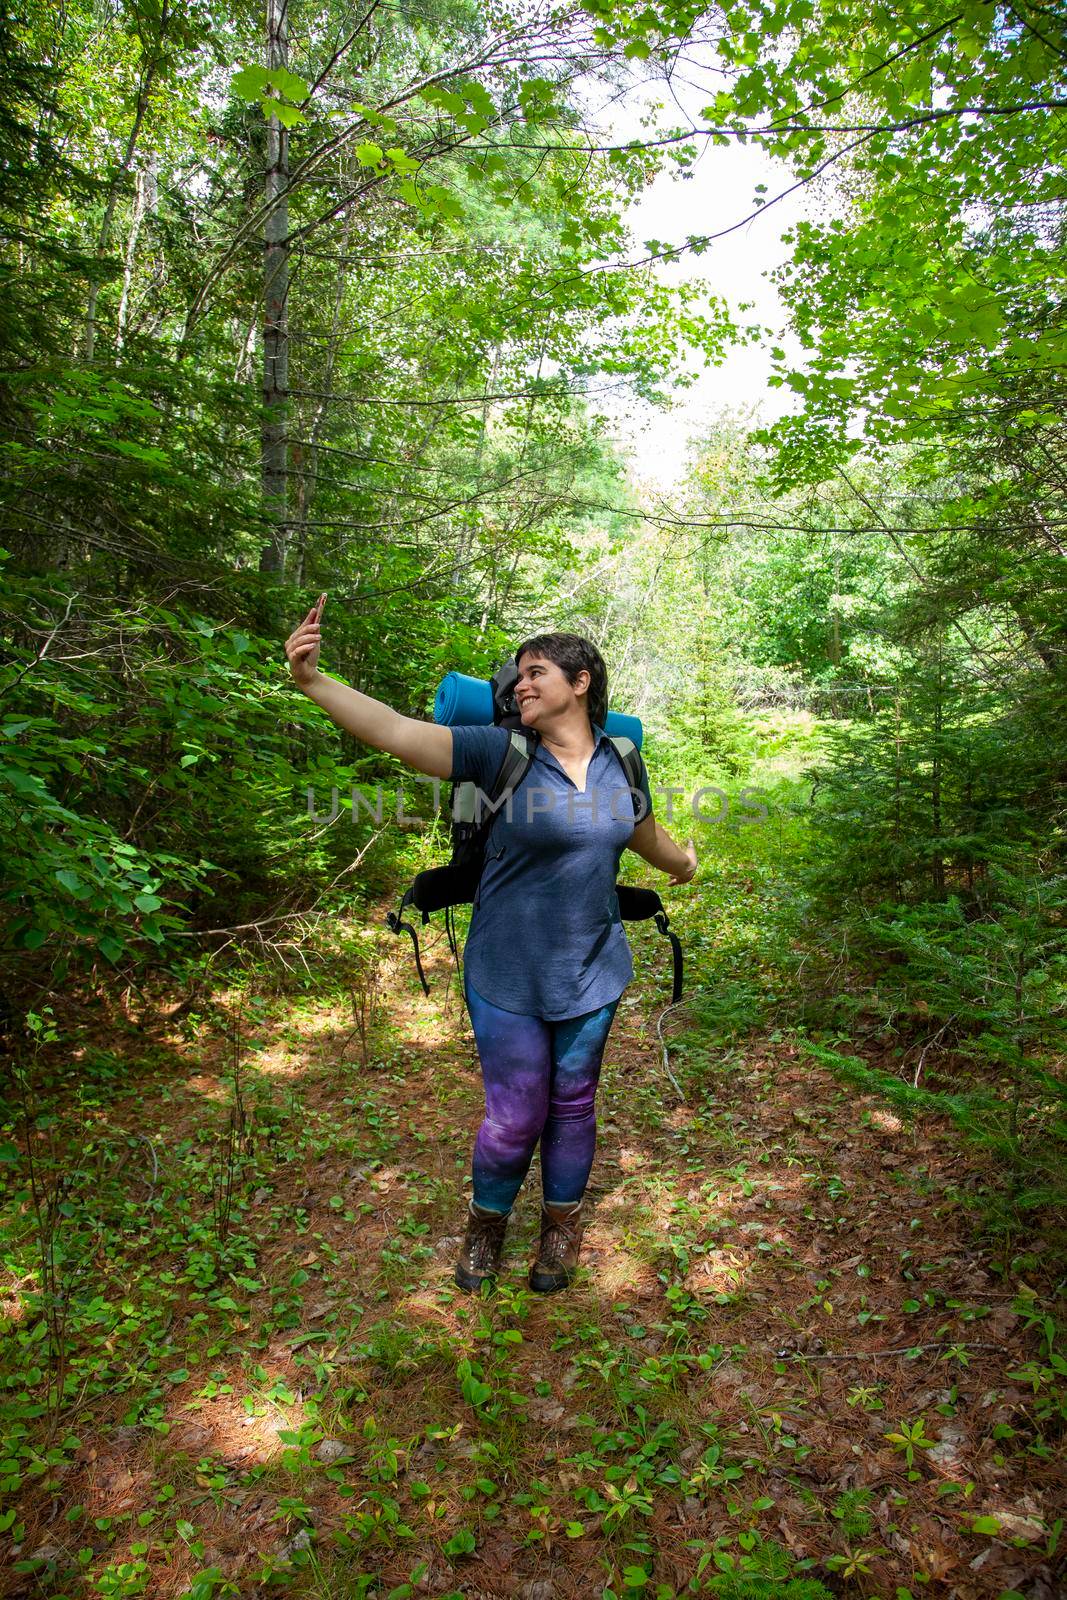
[[547, 958]]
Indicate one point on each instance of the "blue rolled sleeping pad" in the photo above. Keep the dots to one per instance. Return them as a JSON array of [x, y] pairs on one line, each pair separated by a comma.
[[469, 701]]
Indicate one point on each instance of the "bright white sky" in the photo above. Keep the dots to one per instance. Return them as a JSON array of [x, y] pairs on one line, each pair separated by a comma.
[[720, 192]]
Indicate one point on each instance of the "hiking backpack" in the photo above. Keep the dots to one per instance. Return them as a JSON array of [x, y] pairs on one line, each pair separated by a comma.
[[444, 888]]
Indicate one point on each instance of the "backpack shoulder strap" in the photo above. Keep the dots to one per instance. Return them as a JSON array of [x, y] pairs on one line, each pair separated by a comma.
[[515, 765], [630, 757], [517, 757]]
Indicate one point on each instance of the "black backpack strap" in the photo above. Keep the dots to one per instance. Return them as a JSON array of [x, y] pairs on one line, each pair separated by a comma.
[[630, 756], [514, 767], [663, 924], [638, 905], [395, 921]]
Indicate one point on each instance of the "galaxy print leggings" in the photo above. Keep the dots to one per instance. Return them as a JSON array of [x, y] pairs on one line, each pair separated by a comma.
[[540, 1083]]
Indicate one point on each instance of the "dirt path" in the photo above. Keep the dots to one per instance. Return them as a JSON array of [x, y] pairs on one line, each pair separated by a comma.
[[787, 1357]]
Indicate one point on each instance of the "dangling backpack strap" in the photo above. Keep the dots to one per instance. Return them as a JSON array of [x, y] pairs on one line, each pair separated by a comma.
[[636, 905], [663, 924], [395, 921]]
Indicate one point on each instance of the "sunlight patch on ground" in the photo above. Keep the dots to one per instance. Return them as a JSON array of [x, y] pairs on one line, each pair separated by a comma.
[[12, 1308], [720, 1271], [631, 1159], [615, 1270], [422, 1308], [209, 1088], [328, 1019], [279, 1062], [427, 1029], [222, 1428], [385, 1177], [660, 1208]]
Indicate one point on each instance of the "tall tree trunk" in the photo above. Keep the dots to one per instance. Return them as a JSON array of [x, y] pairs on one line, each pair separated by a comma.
[[937, 769], [898, 780], [274, 435], [144, 184], [311, 437], [103, 243]]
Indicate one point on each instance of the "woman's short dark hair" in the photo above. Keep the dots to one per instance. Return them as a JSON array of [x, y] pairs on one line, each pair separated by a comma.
[[573, 654]]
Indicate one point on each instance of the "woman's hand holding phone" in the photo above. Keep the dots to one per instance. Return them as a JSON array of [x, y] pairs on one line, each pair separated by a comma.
[[302, 645]]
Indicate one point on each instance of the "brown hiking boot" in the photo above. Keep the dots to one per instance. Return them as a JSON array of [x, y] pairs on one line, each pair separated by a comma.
[[557, 1257], [483, 1244]]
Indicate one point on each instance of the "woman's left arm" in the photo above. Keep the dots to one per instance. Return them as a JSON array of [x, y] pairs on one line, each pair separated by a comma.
[[655, 845]]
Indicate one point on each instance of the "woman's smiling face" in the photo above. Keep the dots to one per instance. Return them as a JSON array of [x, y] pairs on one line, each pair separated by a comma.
[[542, 691]]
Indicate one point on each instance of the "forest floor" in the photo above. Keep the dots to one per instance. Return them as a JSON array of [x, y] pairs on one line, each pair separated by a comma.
[[787, 1355]]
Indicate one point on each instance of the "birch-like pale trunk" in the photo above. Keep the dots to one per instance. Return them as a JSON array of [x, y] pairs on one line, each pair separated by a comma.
[[144, 183], [308, 446], [275, 429], [103, 241]]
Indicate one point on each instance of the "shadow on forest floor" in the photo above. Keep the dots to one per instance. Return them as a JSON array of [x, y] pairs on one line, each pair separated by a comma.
[[787, 1356]]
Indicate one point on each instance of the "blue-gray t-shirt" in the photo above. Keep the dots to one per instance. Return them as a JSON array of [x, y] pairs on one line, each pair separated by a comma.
[[546, 938]]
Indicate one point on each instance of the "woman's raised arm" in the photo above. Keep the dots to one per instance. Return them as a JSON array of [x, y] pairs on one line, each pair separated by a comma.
[[422, 745]]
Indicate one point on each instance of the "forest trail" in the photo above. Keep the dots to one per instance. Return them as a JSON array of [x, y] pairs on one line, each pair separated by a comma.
[[706, 1400], [452, 314]]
